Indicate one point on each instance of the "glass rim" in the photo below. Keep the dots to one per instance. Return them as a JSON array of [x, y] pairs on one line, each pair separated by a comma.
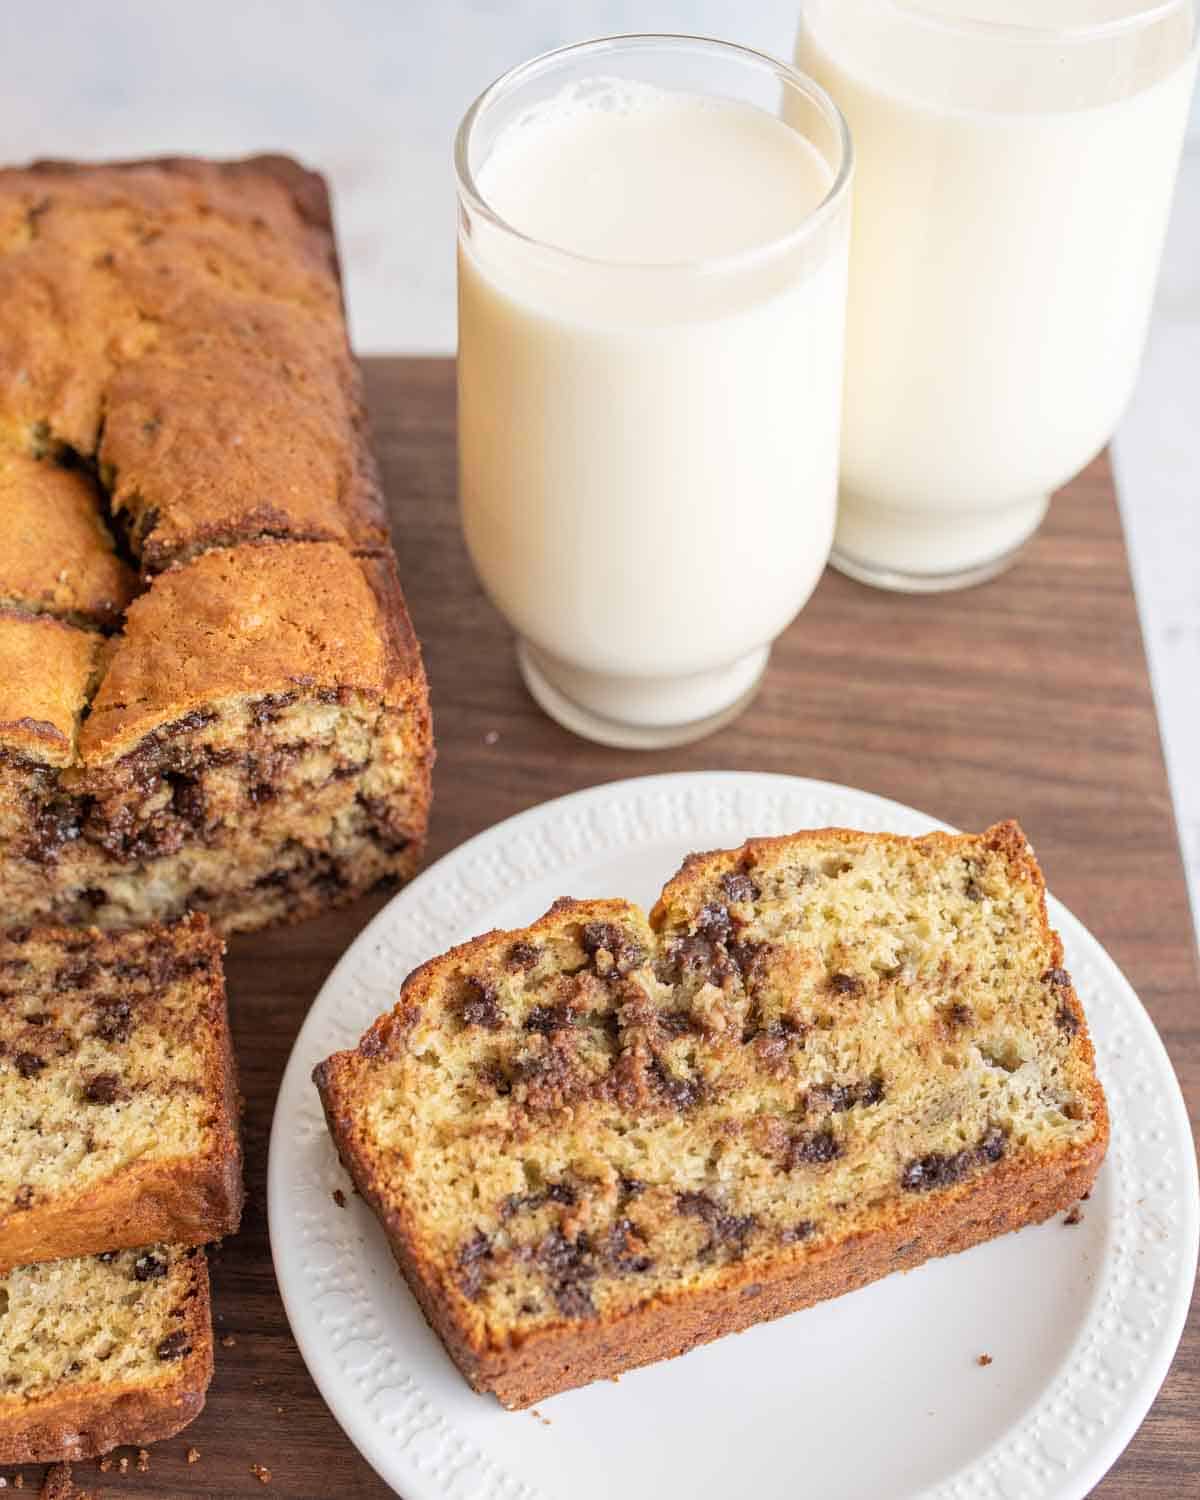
[[928, 15], [469, 191]]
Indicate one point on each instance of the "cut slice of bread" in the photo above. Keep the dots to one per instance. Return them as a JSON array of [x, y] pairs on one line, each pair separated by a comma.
[[102, 1350], [118, 1101], [601, 1140]]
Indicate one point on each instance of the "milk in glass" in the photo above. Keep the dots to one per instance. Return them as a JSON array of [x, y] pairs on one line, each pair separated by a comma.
[[1011, 197], [650, 369]]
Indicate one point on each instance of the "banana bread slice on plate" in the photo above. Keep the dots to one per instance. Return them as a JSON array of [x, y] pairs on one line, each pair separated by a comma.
[[118, 1100], [606, 1138], [102, 1350]]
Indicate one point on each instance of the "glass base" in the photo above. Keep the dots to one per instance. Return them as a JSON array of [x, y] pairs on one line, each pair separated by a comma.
[[640, 713], [931, 554]]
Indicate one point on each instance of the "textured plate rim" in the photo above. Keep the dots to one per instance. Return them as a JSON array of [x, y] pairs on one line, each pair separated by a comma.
[[985, 1474]]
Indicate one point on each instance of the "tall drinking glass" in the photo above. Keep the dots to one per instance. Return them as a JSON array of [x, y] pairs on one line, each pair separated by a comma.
[[653, 238], [1015, 162]]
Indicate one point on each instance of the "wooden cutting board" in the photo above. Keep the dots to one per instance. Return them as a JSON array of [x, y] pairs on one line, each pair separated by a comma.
[[1028, 697]]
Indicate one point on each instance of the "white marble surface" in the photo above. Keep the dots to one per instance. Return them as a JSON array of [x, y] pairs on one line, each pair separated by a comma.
[[370, 91]]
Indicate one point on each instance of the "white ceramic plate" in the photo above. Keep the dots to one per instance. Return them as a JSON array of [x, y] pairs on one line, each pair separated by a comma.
[[878, 1394]]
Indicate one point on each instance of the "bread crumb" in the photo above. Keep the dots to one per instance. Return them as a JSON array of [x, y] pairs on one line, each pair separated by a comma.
[[123, 1463], [228, 1341], [339, 1197], [106, 1463], [1074, 1217], [984, 1359], [193, 1455], [533, 1412], [492, 737], [59, 1484], [143, 1461], [262, 1474]]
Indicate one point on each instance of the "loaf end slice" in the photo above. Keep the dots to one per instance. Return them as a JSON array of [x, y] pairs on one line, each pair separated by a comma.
[[602, 1140], [101, 1351], [258, 747], [118, 1095]]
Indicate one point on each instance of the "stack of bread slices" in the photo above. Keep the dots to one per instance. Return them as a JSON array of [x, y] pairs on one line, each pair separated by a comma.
[[119, 1161]]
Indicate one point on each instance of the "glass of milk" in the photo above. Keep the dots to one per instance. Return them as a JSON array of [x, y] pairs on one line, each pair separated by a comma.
[[1015, 163], [653, 240]]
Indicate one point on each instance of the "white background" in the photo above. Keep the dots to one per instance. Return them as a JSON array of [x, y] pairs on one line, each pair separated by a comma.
[[370, 92]]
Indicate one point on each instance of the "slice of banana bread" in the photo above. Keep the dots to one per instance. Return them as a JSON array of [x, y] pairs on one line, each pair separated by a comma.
[[102, 1350], [601, 1140], [118, 1101]]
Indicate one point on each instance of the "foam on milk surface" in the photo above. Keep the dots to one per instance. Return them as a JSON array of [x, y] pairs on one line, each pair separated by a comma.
[[630, 173]]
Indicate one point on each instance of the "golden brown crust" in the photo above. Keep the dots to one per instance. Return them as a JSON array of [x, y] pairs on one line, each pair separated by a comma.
[[80, 1421], [187, 1203], [406, 701], [403, 672], [197, 305], [106, 255], [58, 557], [46, 673], [269, 618], [901, 1231], [221, 401], [184, 1200], [86, 1426]]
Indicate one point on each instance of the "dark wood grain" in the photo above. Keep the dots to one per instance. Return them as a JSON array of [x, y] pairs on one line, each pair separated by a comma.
[[1028, 697]]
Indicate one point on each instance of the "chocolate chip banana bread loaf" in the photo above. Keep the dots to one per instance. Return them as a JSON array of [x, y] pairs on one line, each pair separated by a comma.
[[211, 696], [118, 1101], [100, 1351], [604, 1139]]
